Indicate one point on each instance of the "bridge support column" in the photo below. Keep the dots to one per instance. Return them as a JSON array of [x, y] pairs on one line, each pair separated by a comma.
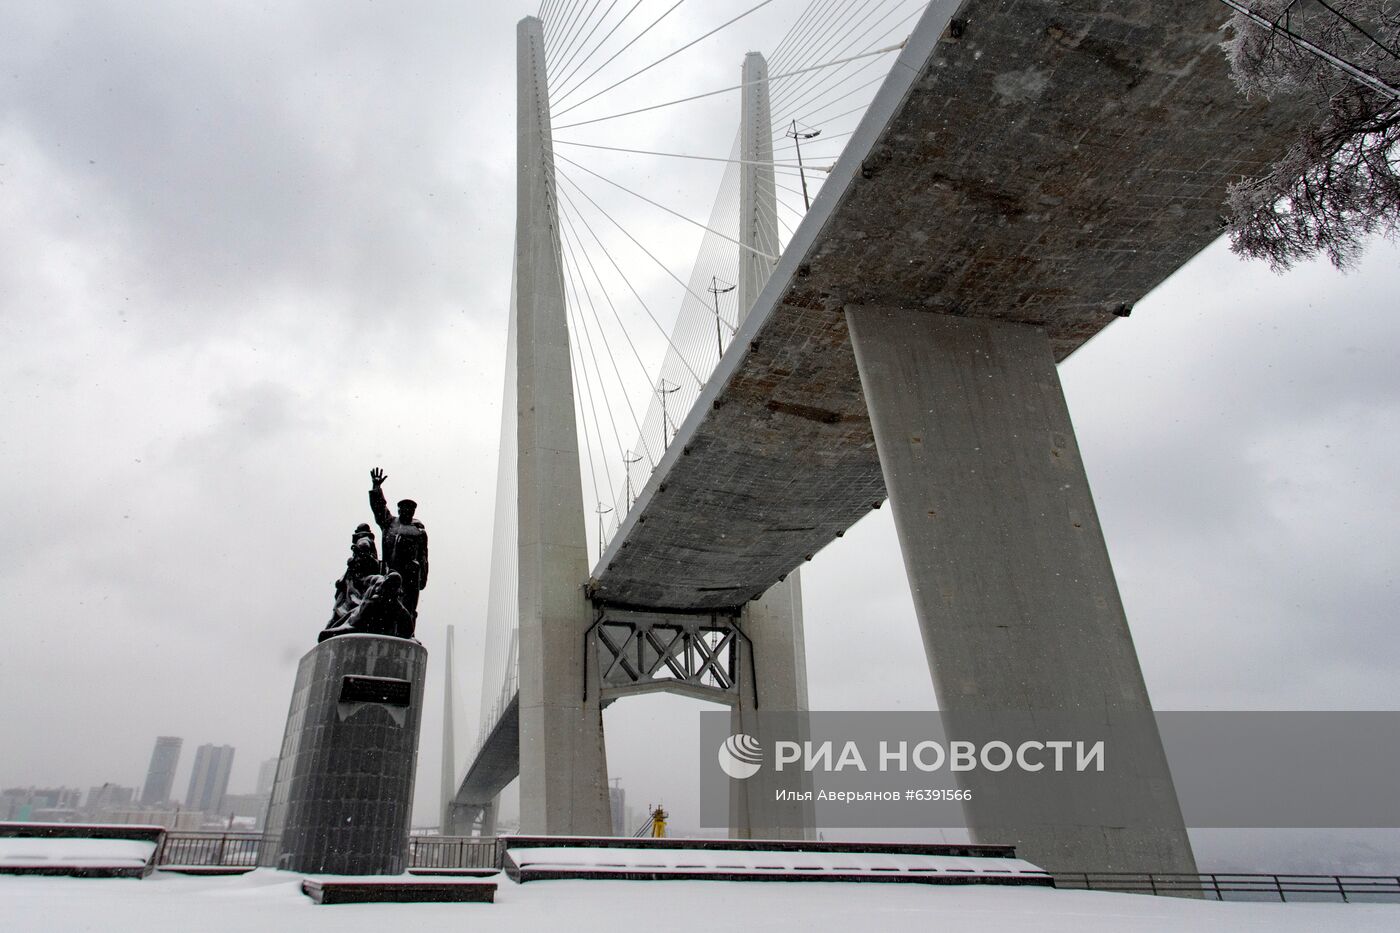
[[563, 766], [1011, 579], [470, 820], [773, 623], [772, 676]]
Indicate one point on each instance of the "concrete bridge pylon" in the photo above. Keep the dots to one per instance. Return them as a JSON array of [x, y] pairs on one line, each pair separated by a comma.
[[772, 661], [1014, 593], [563, 763]]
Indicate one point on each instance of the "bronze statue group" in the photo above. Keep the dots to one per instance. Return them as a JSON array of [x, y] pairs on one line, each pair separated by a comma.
[[379, 595]]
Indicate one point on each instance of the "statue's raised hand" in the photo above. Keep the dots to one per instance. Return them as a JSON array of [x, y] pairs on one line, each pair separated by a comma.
[[377, 477]]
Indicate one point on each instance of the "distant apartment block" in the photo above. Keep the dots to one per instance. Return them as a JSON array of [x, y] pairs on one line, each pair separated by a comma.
[[160, 776], [243, 811], [617, 798], [209, 779], [267, 774], [40, 804], [110, 797]]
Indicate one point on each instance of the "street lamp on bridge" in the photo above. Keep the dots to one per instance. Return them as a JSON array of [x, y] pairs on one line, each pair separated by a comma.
[[716, 289], [797, 136]]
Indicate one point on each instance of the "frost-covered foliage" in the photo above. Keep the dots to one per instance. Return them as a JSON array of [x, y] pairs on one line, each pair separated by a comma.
[[1340, 182]]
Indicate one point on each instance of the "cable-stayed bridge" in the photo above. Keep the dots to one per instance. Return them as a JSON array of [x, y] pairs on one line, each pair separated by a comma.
[[990, 184]]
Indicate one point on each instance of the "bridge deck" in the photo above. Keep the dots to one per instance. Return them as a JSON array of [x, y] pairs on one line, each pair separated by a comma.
[[1037, 163]]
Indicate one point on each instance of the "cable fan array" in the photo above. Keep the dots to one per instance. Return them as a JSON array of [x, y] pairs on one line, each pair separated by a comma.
[[624, 290], [636, 90]]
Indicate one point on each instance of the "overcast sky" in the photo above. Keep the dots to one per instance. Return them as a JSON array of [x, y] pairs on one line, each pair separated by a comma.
[[249, 251]]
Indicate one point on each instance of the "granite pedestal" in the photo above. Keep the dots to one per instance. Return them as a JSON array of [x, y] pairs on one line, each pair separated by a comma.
[[343, 796]]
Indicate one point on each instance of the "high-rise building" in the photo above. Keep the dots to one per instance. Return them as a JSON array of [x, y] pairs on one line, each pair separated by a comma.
[[209, 779], [160, 776], [267, 774], [110, 797], [617, 798]]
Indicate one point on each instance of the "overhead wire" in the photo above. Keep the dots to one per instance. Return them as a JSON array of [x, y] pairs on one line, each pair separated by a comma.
[[810, 117], [641, 301], [806, 21], [552, 41], [830, 82], [567, 44], [818, 42], [663, 207], [791, 164], [579, 48], [582, 389], [669, 55], [607, 347], [601, 42], [566, 94], [579, 327], [826, 44], [597, 277], [783, 98], [725, 90]]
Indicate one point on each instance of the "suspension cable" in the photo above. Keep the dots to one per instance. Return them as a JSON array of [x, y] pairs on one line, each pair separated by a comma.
[[753, 9], [606, 252], [649, 253], [661, 206], [614, 55], [607, 347], [579, 48], [724, 90], [785, 163], [601, 42], [582, 328]]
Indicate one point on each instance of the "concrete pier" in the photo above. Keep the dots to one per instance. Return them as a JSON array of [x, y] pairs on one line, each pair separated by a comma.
[[1016, 599], [563, 766], [771, 667], [773, 623], [342, 800]]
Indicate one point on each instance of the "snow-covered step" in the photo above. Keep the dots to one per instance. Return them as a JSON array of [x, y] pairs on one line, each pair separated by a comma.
[[78, 849], [540, 858]]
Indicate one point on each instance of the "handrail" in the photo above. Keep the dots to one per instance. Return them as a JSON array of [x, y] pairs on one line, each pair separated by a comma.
[[1219, 884], [244, 850], [241, 849]]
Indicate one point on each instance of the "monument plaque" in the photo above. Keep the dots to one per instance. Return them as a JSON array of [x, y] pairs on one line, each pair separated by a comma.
[[343, 795]]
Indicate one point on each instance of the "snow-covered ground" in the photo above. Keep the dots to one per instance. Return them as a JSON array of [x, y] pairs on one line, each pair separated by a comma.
[[270, 901]]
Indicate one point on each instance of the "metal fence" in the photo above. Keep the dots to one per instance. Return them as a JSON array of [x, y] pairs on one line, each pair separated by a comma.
[[1240, 886], [235, 850], [241, 850], [452, 852]]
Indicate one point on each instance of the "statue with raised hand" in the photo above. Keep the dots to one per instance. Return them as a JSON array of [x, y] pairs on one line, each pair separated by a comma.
[[404, 539]]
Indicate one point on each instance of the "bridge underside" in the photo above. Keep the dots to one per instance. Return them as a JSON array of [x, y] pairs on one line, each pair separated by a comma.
[[1043, 164], [496, 764]]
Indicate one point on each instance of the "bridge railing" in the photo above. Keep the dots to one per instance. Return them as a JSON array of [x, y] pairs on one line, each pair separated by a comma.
[[452, 852], [234, 850], [241, 850], [1240, 886]]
